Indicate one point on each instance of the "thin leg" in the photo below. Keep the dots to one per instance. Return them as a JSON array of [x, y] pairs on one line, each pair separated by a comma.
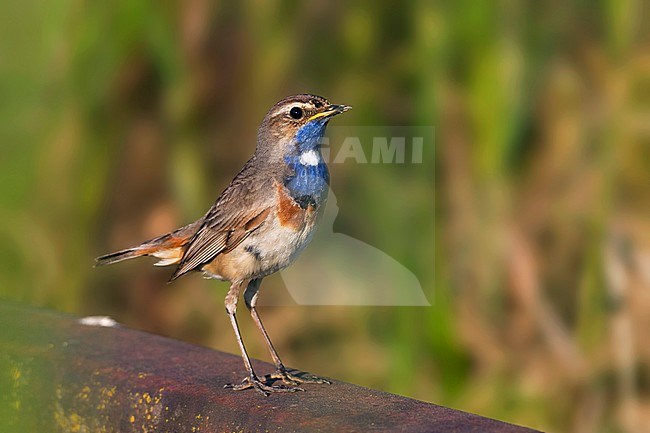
[[281, 373], [251, 381]]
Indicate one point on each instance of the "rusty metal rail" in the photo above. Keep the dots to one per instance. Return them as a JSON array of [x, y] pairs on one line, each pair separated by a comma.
[[58, 375]]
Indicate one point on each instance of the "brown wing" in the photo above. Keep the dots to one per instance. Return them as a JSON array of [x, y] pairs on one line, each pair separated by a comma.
[[209, 242], [239, 211]]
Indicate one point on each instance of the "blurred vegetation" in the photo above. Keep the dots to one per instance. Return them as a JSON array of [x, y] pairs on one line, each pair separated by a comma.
[[121, 120]]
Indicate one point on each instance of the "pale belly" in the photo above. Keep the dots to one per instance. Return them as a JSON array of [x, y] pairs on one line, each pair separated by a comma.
[[267, 250]]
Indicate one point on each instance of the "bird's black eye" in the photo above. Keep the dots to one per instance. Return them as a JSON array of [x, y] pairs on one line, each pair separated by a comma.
[[317, 103], [296, 112]]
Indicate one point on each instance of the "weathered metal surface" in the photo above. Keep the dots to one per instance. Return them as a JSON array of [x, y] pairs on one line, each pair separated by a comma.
[[61, 376]]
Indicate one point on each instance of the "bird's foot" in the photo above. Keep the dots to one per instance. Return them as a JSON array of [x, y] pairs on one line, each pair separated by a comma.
[[261, 387], [293, 379]]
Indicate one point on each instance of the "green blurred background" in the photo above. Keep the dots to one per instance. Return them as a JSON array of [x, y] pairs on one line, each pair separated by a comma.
[[121, 120]]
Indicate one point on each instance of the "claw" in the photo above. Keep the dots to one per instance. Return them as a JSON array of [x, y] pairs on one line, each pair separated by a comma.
[[292, 379], [261, 387]]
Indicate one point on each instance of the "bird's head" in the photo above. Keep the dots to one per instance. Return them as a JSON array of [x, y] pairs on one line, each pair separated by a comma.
[[296, 124]]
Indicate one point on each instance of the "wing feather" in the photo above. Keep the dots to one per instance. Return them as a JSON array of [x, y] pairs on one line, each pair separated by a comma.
[[241, 209], [210, 242]]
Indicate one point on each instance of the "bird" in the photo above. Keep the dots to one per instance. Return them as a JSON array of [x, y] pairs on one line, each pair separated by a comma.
[[258, 225]]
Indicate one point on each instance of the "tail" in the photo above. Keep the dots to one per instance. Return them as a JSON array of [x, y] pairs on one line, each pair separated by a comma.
[[168, 248], [118, 256]]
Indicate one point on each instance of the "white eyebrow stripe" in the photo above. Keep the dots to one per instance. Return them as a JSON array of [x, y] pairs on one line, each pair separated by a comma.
[[284, 109]]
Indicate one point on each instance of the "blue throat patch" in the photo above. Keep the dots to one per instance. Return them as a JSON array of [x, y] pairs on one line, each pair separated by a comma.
[[309, 181]]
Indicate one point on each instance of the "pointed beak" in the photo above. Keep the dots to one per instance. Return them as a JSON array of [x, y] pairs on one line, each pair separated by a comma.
[[338, 109], [330, 111]]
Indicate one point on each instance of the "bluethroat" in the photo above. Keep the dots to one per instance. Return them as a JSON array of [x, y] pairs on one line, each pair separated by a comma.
[[260, 222]]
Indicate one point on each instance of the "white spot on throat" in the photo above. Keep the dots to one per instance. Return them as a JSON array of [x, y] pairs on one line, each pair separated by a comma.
[[310, 157]]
